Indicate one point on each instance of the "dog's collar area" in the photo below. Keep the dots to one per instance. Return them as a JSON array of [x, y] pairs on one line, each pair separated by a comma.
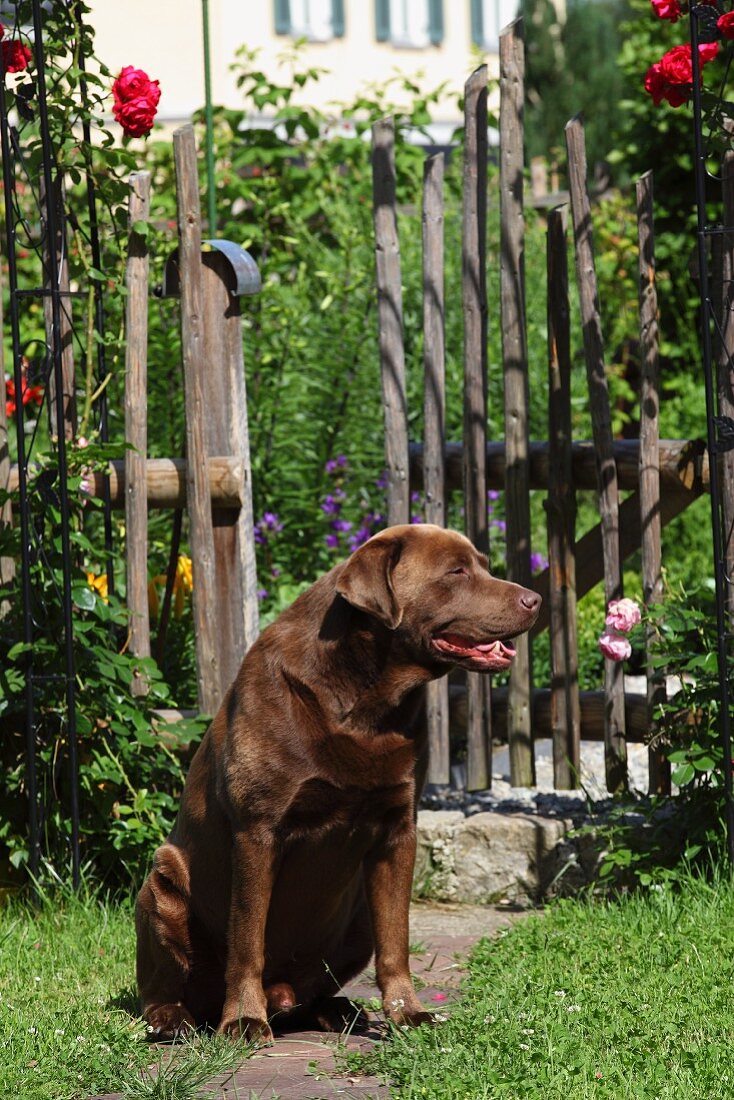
[[493, 655]]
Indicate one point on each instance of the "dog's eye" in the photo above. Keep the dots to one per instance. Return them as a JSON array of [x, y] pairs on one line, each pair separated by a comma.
[[460, 571]]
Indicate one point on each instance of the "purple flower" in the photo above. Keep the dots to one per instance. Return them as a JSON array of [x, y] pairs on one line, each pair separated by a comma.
[[340, 525], [332, 541], [381, 482], [330, 506], [262, 593], [415, 497], [493, 494], [275, 571], [500, 526], [359, 537], [538, 562], [267, 525], [416, 519], [335, 464]]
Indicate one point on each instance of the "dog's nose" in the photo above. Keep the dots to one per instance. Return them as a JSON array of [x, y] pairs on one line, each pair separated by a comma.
[[530, 600]]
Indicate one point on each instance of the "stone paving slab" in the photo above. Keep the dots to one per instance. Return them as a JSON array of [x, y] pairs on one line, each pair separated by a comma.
[[308, 1065]]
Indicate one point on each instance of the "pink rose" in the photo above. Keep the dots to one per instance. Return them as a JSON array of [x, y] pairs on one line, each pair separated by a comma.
[[622, 615], [615, 647], [667, 9], [136, 99]]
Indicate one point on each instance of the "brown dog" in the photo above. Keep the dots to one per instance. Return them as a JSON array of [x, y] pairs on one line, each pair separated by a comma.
[[291, 859]]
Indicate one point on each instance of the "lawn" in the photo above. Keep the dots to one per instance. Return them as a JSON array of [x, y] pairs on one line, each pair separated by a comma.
[[68, 1027], [628, 999], [589, 999]]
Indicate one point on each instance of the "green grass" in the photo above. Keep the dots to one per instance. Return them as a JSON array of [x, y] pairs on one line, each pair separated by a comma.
[[68, 1010], [630, 999]]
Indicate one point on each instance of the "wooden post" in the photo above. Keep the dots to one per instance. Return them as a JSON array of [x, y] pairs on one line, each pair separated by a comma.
[[197, 408], [390, 321], [434, 473], [615, 747], [226, 432], [726, 373], [561, 517], [652, 580], [474, 302], [515, 359], [136, 424], [66, 333]]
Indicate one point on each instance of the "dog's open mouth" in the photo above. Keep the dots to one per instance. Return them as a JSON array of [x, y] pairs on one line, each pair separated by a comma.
[[490, 655]]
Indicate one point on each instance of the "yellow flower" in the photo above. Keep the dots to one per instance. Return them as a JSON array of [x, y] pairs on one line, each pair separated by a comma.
[[183, 584], [99, 584]]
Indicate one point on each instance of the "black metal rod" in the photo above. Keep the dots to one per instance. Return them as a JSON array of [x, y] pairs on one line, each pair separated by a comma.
[[99, 320], [48, 159], [34, 846], [707, 312]]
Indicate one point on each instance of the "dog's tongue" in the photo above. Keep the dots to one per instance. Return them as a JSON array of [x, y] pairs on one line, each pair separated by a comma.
[[488, 651]]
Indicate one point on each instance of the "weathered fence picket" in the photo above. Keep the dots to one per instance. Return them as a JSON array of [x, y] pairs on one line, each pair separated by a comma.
[[434, 419], [136, 422], [615, 749], [652, 581], [197, 486], [226, 432], [474, 304], [515, 368], [561, 518], [390, 321]]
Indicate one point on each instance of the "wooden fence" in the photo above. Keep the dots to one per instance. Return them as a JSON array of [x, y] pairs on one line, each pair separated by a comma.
[[214, 480], [664, 476]]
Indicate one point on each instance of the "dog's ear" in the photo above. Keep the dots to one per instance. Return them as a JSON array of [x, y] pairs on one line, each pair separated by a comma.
[[366, 580]]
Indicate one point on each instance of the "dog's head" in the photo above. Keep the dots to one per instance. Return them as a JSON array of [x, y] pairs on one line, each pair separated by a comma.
[[434, 589]]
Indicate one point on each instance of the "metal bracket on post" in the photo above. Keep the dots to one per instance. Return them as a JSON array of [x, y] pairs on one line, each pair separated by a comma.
[[246, 273]]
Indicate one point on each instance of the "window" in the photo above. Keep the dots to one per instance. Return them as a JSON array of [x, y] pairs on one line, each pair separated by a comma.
[[316, 20], [412, 23], [488, 18]]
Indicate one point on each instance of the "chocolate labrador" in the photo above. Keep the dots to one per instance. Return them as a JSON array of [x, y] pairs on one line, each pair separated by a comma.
[[291, 858]]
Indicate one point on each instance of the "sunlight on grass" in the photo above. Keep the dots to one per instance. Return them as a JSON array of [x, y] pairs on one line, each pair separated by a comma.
[[68, 1010], [629, 999]]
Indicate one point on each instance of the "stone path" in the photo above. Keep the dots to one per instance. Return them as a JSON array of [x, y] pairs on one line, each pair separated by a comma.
[[304, 1065]]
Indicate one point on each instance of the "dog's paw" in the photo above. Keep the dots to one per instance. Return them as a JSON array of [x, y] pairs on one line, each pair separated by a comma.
[[168, 1021], [249, 1028], [407, 1015]]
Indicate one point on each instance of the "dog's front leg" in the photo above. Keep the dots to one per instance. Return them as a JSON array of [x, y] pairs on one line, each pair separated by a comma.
[[389, 880], [253, 870]]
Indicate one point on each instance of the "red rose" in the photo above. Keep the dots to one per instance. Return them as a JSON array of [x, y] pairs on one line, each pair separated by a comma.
[[15, 55], [670, 77], [667, 9], [725, 23], [136, 99]]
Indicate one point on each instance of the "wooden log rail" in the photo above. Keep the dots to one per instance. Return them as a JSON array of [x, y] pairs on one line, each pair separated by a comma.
[[166, 481], [683, 464], [591, 706]]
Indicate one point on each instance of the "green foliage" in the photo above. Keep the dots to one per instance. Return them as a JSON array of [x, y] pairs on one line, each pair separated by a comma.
[[571, 69], [689, 829]]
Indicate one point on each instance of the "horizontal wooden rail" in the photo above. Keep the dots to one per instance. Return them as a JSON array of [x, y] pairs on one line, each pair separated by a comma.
[[682, 462], [592, 714], [166, 479]]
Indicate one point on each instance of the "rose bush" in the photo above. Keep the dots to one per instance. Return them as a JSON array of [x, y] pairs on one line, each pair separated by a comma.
[[622, 615], [671, 77]]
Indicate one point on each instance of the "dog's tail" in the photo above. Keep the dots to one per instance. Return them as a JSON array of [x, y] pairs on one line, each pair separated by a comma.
[[163, 906]]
